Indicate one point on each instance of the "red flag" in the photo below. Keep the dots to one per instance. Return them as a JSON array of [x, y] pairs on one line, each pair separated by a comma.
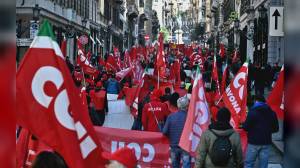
[[215, 75], [133, 53], [222, 50], [137, 72], [111, 63], [224, 78], [276, 97], [235, 56], [235, 96], [49, 105], [127, 60], [160, 59], [63, 47], [198, 117], [121, 74]]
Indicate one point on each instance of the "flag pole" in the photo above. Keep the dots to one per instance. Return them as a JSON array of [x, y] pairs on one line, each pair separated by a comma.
[[158, 79]]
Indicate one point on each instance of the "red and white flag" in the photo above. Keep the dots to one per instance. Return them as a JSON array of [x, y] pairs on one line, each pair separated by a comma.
[[123, 73], [160, 59], [235, 96], [215, 75], [276, 97], [224, 78], [49, 106], [222, 50], [198, 117]]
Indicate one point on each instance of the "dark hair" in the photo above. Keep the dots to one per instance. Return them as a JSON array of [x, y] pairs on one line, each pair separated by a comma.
[[167, 90], [48, 159], [223, 115], [173, 99], [260, 98]]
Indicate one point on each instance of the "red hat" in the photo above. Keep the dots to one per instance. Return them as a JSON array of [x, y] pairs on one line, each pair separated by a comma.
[[125, 156], [92, 92], [99, 84], [156, 94]]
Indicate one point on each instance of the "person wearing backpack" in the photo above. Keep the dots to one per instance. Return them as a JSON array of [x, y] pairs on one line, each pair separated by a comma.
[[220, 145]]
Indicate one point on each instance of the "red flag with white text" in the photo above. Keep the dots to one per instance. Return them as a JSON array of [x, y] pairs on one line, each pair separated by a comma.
[[49, 106], [235, 96], [276, 97], [198, 117]]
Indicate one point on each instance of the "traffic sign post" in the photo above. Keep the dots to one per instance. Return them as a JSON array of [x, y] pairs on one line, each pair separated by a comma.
[[276, 21]]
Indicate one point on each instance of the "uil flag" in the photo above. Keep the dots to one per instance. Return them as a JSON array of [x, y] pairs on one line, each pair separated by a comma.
[[235, 96], [49, 106], [276, 97], [198, 117]]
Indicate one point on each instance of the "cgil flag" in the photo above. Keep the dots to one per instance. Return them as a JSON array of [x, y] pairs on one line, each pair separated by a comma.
[[49, 106], [198, 117], [235, 96], [276, 97]]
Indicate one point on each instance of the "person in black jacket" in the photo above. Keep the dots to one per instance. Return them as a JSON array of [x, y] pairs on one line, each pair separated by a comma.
[[260, 123]]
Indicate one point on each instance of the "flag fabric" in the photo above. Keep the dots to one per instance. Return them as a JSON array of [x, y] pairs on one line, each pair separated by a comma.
[[160, 59], [111, 63], [224, 78], [215, 75], [127, 60], [49, 105], [123, 73], [235, 56], [137, 94], [276, 97], [198, 117], [63, 47], [222, 50], [235, 96]]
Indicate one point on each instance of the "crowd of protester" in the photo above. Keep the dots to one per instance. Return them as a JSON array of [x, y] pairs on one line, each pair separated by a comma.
[[166, 110]]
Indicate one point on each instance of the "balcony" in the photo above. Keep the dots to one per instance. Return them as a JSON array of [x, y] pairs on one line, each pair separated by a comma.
[[132, 11]]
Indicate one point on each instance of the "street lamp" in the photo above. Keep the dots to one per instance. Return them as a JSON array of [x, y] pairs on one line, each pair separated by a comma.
[[36, 12]]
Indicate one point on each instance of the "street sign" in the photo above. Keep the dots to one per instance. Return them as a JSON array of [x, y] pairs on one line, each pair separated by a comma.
[[24, 42], [147, 37], [276, 21]]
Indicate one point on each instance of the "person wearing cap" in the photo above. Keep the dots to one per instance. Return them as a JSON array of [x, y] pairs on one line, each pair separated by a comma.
[[122, 158], [181, 90], [221, 127], [173, 129], [154, 113]]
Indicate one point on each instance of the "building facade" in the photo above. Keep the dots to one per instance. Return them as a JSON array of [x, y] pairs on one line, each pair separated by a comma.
[[71, 19]]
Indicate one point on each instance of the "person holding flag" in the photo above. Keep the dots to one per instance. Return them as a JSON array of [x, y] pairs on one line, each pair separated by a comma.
[[50, 107]]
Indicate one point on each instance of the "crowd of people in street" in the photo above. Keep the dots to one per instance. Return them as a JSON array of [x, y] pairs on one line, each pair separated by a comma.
[[165, 110]]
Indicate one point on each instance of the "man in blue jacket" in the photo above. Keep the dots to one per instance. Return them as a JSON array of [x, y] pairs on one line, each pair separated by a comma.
[[173, 129], [260, 123]]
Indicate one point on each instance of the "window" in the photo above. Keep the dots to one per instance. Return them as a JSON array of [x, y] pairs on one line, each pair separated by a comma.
[[141, 3]]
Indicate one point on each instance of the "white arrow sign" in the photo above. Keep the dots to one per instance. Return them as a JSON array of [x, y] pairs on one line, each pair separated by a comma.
[[276, 21]]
